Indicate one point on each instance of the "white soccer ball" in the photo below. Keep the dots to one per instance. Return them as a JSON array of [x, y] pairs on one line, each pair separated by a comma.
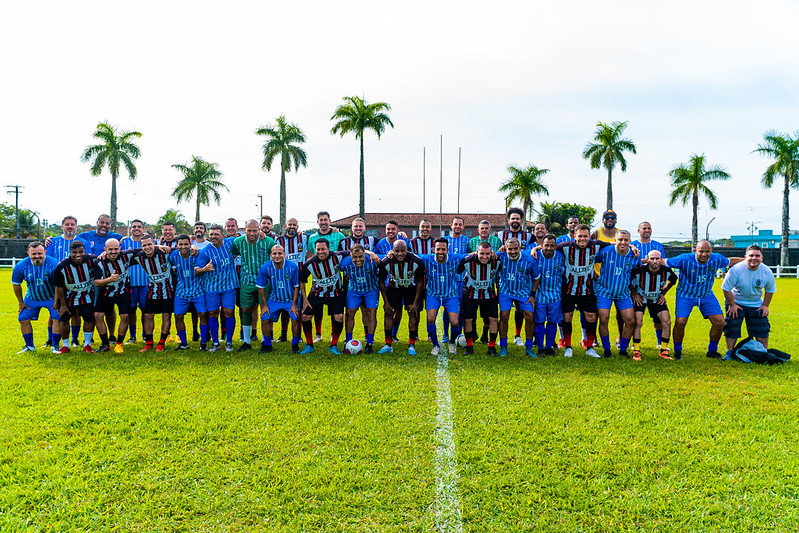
[[461, 340], [353, 347]]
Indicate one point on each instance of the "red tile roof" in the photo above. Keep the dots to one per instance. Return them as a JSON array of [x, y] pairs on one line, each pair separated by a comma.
[[471, 220]]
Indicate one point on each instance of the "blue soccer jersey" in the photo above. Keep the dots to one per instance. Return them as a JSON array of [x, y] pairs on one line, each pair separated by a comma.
[[223, 277], [614, 276], [458, 245], [136, 274], [550, 286], [517, 277], [442, 279], [38, 279], [280, 281], [696, 281], [59, 247], [361, 279], [383, 246], [645, 247], [97, 242], [564, 238], [189, 285]]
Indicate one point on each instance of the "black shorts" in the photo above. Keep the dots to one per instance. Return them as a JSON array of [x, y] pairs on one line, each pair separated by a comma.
[[335, 305], [105, 304], [399, 297], [488, 308], [85, 311], [585, 303], [654, 309], [159, 307], [757, 325]]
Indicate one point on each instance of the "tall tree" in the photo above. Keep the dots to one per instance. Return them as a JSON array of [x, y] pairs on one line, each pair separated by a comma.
[[784, 150], [357, 116], [176, 217], [688, 183], [279, 143], [608, 151], [201, 180], [523, 184], [115, 149]]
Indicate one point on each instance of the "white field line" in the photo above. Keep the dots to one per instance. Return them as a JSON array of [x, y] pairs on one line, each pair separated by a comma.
[[447, 505]]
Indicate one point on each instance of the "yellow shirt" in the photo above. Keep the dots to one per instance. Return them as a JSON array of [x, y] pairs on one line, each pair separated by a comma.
[[600, 236]]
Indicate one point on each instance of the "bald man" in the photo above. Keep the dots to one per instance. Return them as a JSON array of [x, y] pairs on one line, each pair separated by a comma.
[[651, 281]]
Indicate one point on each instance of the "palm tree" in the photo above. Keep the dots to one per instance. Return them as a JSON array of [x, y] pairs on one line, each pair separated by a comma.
[[523, 184], [784, 149], [201, 180], [176, 217], [280, 136], [551, 214], [688, 182], [115, 149], [608, 150], [357, 116]]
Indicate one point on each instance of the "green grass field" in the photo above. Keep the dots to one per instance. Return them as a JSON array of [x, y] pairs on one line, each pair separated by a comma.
[[196, 441]]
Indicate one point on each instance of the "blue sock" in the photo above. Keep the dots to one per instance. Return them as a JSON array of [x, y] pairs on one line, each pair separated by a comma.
[[56, 340], [268, 340], [213, 327], [230, 329], [528, 343], [295, 341], [431, 331], [624, 343], [28, 339], [503, 342], [678, 347], [551, 330], [75, 333], [659, 333], [182, 335], [539, 335], [132, 329], [347, 337], [605, 342], [713, 346], [370, 338], [394, 330], [456, 330], [50, 335], [203, 333]]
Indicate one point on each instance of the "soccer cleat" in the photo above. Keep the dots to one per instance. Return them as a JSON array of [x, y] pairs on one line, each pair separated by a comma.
[[317, 338], [195, 337], [283, 338], [530, 353], [713, 355], [561, 343], [368, 349], [607, 353], [182, 346], [568, 352], [228, 346], [245, 347], [87, 348], [411, 350], [63, 350], [550, 351], [636, 355], [295, 348], [387, 348], [435, 350], [618, 344], [503, 351], [265, 348], [395, 339], [146, 348], [445, 339], [584, 344], [214, 348], [253, 339], [484, 339], [518, 340], [308, 349], [469, 350], [203, 347], [27, 349], [159, 348], [677, 355], [664, 354], [492, 350], [75, 344], [452, 348], [590, 352], [130, 340], [47, 344], [118, 348], [169, 338], [334, 350], [624, 353], [104, 348], [659, 346]]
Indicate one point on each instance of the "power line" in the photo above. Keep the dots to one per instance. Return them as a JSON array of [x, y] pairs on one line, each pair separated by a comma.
[[15, 192]]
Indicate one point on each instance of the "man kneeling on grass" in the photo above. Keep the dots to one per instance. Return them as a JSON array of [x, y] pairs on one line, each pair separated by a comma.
[[189, 291], [74, 294], [37, 273], [160, 293], [113, 283], [282, 279]]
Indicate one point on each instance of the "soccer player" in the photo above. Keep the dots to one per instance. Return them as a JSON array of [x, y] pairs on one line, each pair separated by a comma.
[[154, 260], [401, 284], [515, 220], [651, 282], [480, 292], [386, 244], [200, 241], [112, 277], [612, 288], [221, 283], [607, 232], [484, 235], [138, 280], [363, 292], [96, 238], [333, 238], [231, 228], [325, 291], [539, 232], [548, 290], [254, 252], [168, 232], [695, 289], [422, 243], [282, 277], [442, 284], [516, 279], [645, 244], [37, 272], [74, 293], [748, 289], [458, 245], [189, 290], [266, 227], [358, 236], [294, 245], [571, 224]]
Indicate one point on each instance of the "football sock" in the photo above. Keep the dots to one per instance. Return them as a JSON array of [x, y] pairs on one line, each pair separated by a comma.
[[204, 333], [713, 346], [307, 328], [75, 333], [337, 327], [624, 343], [213, 328], [87, 338], [540, 332], [28, 337], [503, 342], [230, 329], [605, 342], [551, 331], [182, 336], [370, 338], [431, 331]]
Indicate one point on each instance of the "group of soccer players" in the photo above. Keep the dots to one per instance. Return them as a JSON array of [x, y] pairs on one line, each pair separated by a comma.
[[102, 279]]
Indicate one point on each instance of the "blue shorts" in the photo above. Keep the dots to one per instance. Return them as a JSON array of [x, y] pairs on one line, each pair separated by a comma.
[[451, 304], [225, 300], [138, 296], [182, 305], [370, 299], [625, 302], [506, 303], [35, 307], [708, 305], [276, 309], [549, 312]]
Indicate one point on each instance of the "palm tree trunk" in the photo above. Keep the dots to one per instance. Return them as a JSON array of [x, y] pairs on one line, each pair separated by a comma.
[[695, 221], [362, 208], [197, 212], [282, 197], [113, 212], [784, 249], [610, 190]]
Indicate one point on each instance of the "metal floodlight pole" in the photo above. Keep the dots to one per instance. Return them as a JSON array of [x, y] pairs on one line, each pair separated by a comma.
[[459, 181], [441, 189], [424, 168]]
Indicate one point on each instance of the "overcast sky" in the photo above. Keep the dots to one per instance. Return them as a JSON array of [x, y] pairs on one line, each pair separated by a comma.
[[508, 82]]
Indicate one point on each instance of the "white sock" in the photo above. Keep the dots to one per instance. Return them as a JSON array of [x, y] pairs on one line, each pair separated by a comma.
[[247, 330], [87, 337]]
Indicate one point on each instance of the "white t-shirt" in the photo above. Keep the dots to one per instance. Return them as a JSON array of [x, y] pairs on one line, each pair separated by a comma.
[[747, 286]]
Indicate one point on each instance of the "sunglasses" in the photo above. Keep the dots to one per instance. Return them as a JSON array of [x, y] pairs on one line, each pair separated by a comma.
[[609, 218]]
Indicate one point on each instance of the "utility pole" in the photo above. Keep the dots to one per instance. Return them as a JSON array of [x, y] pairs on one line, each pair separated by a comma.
[[752, 228], [261, 198], [15, 191]]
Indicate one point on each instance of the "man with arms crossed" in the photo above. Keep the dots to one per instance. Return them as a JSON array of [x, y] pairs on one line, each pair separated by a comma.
[[37, 272]]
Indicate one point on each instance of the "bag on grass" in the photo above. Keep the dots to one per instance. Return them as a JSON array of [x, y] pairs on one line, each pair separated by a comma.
[[750, 350]]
